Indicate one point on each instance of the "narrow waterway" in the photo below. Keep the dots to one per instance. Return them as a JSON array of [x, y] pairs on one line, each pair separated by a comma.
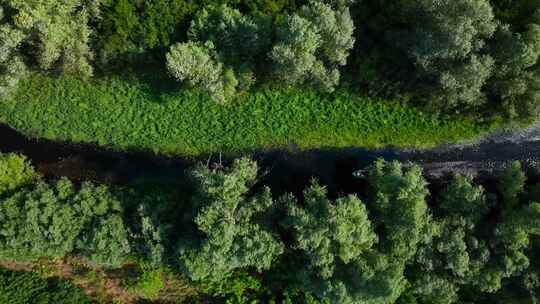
[[284, 169]]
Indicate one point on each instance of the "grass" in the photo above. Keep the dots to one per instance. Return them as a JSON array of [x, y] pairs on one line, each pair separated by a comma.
[[126, 113], [17, 287], [74, 281]]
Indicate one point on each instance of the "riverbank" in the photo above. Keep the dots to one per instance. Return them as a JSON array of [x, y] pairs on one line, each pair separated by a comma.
[[156, 115]]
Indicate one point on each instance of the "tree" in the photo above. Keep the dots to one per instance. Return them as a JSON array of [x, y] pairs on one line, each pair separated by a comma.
[[446, 40], [336, 240], [11, 66], [327, 232], [55, 35], [131, 29], [57, 220], [455, 256], [512, 184], [237, 37], [398, 197], [515, 85], [58, 31], [313, 44], [15, 171], [462, 198], [226, 218], [241, 41], [370, 273], [519, 221], [513, 236], [198, 64], [516, 13]]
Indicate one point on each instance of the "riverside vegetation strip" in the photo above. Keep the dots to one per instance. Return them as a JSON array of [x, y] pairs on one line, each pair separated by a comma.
[[125, 112]]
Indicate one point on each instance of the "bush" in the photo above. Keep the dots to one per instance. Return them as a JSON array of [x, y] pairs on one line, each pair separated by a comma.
[[198, 63], [240, 288], [15, 171], [149, 282]]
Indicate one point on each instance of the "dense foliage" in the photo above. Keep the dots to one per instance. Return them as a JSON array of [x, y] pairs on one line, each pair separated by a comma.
[[52, 35], [231, 239], [381, 244], [313, 44], [53, 220]]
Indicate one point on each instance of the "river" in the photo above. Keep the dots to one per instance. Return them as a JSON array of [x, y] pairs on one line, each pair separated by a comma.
[[286, 169]]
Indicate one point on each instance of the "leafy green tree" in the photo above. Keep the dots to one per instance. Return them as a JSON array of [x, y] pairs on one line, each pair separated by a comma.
[[456, 255], [57, 31], [198, 64], [241, 41], [329, 233], [398, 197], [266, 7], [370, 272], [12, 67], [313, 44], [515, 85], [231, 238], [512, 183], [131, 29], [15, 171], [513, 237], [337, 240], [57, 220], [516, 13], [237, 37], [152, 236], [520, 220], [446, 40]]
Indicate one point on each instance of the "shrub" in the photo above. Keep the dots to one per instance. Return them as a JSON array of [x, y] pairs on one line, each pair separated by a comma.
[[198, 64], [15, 171], [149, 282]]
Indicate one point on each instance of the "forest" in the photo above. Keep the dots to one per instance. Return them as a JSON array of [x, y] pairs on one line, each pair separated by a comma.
[[193, 78], [222, 236]]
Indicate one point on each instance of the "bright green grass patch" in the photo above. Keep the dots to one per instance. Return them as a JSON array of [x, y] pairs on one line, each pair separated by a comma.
[[122, 113]]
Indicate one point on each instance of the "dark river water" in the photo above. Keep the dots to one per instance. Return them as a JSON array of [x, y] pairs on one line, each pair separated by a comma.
[[285, 169]]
